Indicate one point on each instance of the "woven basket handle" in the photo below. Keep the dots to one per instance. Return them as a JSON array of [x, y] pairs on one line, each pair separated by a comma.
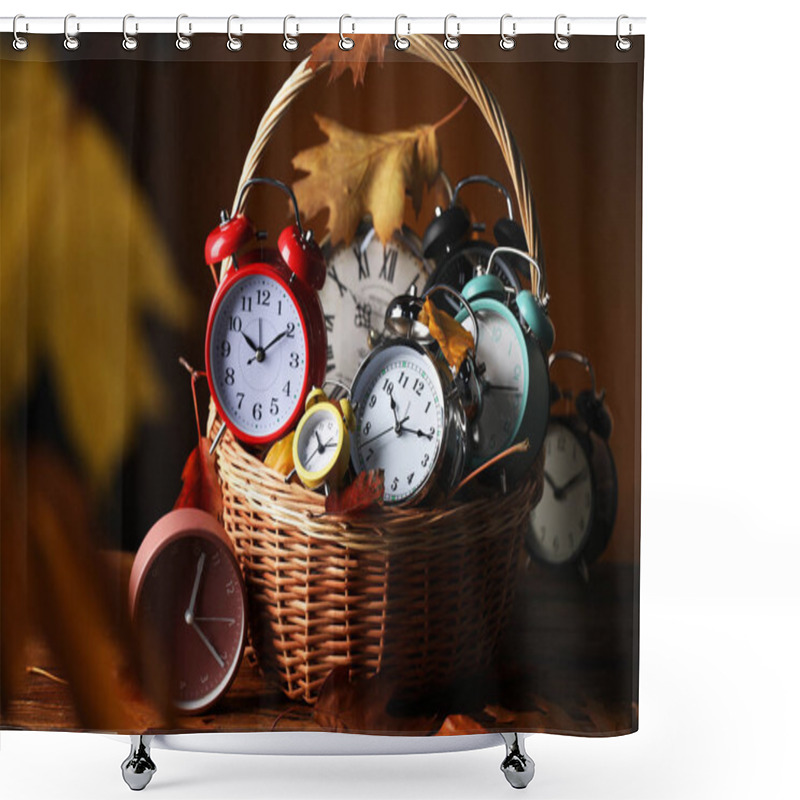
[[427, 49]]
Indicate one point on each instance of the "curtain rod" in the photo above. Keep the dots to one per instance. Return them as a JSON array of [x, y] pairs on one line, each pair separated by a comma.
[[298, 25]]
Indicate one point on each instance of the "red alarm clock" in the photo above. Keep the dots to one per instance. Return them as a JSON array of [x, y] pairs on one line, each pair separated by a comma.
[[266, 345]]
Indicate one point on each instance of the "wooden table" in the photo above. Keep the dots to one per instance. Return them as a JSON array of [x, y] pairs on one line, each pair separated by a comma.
[[568, 663]]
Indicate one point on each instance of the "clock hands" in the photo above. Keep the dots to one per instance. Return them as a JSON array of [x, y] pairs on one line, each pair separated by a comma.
[[189, 616], [560, 491], [420, 433], [251, 344], [388, 430], [261, 352], [207, 643]]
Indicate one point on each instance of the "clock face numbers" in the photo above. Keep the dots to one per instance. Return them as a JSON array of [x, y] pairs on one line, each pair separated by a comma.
[[362, 279], [258, 355], [399, 421], [319, 441], [504, 384], [561, 522], [459, 269], [191, 610]]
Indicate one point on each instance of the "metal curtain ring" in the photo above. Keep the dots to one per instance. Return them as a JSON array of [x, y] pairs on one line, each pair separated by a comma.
[[289, 43], [234, 42], [345, 43], [623, 43], [400, 42], [561, 42], [20, 42], [507, 42], [451, 42], [71, 42], [182, 42], [129, 42]]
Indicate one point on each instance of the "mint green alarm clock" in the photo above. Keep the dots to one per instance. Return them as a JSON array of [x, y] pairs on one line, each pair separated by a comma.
[[515, 335]]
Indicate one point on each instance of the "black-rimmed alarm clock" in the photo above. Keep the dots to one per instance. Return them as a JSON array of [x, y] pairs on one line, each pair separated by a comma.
[[449, 244], [266, 344], [574, 520]]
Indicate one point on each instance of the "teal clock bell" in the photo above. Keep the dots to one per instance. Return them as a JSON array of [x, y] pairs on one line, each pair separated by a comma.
[[515, 335]]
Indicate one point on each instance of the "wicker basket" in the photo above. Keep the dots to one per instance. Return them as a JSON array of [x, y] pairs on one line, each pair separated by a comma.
[[422, 593]]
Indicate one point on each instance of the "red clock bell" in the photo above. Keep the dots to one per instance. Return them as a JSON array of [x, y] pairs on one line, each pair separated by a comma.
[[266, 344]]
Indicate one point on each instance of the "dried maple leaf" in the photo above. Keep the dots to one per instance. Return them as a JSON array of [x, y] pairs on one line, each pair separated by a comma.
[[368, 47], [454, 339], [356, 174], [365, 491], [280, 456], [200, 485]]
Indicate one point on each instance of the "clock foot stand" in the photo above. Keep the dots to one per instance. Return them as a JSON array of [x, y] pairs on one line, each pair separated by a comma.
[[138, 768], [517, 766]]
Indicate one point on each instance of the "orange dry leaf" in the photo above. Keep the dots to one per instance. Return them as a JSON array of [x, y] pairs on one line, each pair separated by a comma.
[[280, 456], [453, 338], [357, 174], [458, 724], [200, 485], [366, 490], [368, 47]]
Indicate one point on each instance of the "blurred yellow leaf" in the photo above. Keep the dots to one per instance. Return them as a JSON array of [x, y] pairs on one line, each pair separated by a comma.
[[81, 262]]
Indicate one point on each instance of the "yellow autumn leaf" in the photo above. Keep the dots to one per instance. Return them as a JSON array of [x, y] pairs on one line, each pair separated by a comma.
[[356, 174], [81, 262], [280, 457], [454, 339]]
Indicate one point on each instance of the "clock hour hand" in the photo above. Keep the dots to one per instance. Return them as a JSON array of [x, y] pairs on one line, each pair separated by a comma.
[[207, 643], [250, 343], [551, 482], [420, 433], [572, 481]]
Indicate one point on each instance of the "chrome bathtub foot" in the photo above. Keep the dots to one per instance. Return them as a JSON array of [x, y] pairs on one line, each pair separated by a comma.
[[138, 768], [517, 766]]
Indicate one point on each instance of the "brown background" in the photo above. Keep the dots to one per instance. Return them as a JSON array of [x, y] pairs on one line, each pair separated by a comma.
[[186, 121]]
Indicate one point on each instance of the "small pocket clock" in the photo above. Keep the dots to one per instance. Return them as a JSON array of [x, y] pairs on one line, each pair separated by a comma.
[[449, 244], [321, 445], [363, 277], [512, 364], [411, 420], [266, 343], [187, 600], [574, 520]]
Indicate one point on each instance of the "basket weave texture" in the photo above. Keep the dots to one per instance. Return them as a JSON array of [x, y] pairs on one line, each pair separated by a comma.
[[422, 594]]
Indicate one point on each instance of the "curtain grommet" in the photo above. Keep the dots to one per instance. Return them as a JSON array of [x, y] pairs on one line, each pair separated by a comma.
[[129, 42], [290, 44], [401, 42], [20, 43], [182, 42], [561, 42], [623, 43], [71, 42], [234, 43], [507, 42], [451, 42]]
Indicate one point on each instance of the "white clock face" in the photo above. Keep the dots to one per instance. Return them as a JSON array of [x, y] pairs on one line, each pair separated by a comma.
[[399, 420], [561, 522], [362, 279], [499, 348], [258, 357], [318, 441]]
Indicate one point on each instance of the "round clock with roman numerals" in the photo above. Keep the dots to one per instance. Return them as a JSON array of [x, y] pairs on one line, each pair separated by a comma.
[[265, 339], [363, 277]]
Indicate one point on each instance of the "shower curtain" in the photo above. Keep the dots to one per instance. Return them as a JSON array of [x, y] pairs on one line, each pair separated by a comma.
[[498, 592]]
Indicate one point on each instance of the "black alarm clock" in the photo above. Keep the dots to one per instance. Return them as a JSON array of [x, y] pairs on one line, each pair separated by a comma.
[[449, 243], [573, 521]]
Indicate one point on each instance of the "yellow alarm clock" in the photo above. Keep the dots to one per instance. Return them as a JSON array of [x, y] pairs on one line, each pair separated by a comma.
[[321, 446]]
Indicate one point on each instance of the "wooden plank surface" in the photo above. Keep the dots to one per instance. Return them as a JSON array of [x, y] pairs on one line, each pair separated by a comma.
[[566, 664]]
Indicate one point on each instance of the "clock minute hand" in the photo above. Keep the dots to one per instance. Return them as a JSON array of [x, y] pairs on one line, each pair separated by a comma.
[[383, 433], [190, 610], [419, 432], [207, 643], [275, 340]]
